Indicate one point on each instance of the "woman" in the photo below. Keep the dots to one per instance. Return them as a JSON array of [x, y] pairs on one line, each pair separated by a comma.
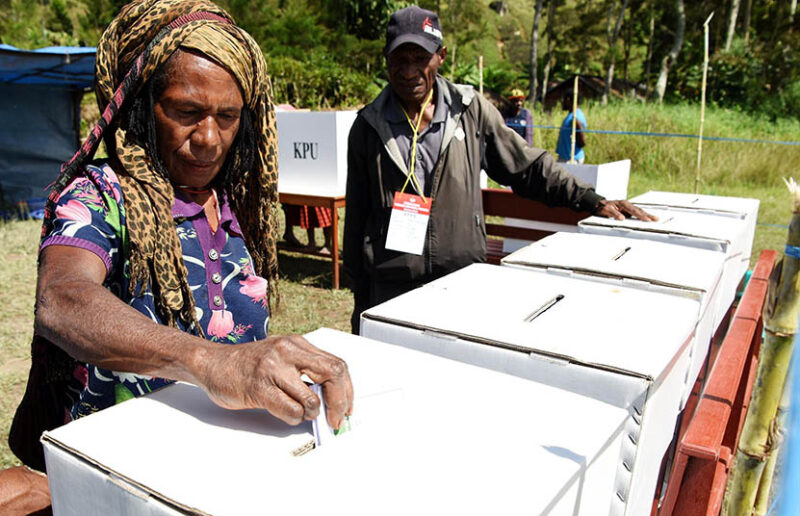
[[153, 260]]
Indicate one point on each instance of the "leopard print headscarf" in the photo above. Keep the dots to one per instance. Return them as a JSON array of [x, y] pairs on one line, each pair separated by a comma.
[[139, 40]]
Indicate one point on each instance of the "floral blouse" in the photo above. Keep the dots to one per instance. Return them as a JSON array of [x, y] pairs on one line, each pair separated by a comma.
[[230, 298]]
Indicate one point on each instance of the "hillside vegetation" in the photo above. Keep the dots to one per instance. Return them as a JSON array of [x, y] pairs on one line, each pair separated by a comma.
[[327, 53]]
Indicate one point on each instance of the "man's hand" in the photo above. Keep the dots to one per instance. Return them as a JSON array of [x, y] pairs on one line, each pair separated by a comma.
[[266, 374], [620, 210]]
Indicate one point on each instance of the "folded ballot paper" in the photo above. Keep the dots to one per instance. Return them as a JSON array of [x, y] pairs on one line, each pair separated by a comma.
[[323, 432]]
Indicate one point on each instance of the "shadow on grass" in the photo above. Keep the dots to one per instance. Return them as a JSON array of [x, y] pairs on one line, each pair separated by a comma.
[[309, 270]]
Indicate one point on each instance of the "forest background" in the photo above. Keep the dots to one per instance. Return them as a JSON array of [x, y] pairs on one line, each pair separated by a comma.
[[327, 53]]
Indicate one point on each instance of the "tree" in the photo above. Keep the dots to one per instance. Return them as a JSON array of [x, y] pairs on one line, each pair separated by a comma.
[[551, 16], [748, 12], [537, 15], [669, 59], [649, 58], [732, 15], [611, 36]]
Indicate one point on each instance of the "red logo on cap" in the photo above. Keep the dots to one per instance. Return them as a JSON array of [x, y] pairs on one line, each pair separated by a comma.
[[427, 27]]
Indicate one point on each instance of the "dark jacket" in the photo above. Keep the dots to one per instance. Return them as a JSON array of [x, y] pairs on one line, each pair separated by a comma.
[[475, 136]]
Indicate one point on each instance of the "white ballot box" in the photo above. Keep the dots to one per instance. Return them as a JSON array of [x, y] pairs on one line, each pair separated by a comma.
[[608, 179], [429, 436], [624, 346], [312, 151], [655, 266], [692, 228], [735, 207]]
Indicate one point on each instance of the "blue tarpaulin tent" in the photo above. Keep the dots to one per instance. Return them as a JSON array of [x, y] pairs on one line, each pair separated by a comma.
[[40, 97]]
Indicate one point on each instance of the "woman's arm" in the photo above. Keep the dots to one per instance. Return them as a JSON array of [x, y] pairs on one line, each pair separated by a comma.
[[75, 311]]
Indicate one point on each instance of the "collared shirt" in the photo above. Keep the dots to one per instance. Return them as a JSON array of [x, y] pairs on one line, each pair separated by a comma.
[[230, 299], [429, 140]]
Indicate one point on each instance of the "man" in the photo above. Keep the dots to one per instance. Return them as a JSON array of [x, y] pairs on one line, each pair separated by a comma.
[[519, 119], [441, 132], [564, 147]]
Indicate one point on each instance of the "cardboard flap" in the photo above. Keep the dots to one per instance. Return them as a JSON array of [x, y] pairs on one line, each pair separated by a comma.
[[723, 230], [730, 206], [596, 324], [658, 263]]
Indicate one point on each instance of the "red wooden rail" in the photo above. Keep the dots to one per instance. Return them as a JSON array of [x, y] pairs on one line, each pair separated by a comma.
[[505, 203], [700, 470]]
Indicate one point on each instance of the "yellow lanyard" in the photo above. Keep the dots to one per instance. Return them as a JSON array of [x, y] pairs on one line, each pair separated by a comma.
[[415, 132]]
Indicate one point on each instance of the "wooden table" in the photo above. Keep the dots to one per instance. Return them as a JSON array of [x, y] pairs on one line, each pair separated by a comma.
[[331, 202]]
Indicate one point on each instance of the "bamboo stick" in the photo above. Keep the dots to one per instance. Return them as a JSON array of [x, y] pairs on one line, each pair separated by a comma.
[[480, 73], [760, 430], [764, 487], [702, 103], [574, 119]]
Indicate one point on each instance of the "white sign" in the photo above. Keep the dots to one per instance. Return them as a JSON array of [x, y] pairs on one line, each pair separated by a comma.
[[312, 151]]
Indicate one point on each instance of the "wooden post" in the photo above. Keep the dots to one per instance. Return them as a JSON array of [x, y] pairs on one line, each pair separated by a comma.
[[480, 73], [574, 119], [453, 64], [702, 103]]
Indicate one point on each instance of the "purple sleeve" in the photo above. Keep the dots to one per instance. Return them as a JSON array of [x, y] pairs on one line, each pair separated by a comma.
[[82, 220]]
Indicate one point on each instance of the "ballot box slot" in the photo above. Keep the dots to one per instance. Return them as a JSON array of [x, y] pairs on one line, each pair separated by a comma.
[[620, 254], [542, 309]]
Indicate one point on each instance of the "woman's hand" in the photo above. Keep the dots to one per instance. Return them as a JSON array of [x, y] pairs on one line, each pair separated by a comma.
[[266, 374]]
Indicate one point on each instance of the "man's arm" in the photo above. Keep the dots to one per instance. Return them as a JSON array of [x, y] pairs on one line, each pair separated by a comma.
[[357, 211], [534, 174], [358, 205], [77, 313], [580, 136], [529, 171]]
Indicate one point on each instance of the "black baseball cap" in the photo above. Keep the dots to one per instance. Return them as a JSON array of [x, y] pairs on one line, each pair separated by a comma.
[[413, 25]]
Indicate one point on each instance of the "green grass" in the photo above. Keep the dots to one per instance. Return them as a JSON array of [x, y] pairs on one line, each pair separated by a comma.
[[735, 169], [17, 285]]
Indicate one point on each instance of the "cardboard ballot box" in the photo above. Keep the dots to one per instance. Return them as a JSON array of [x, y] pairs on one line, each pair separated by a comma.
[[429, 436], [655, 266], [624, 346], [608, 179], [312, 151], [692, 228], [734, 207]]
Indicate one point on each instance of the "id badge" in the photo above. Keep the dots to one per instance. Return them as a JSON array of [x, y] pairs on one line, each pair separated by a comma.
[[408, 223]]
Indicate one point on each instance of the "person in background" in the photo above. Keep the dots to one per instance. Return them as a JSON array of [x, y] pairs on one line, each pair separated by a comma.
[[520, 119], [308, 218], [564, 147], [159, 264], [422, 141]]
